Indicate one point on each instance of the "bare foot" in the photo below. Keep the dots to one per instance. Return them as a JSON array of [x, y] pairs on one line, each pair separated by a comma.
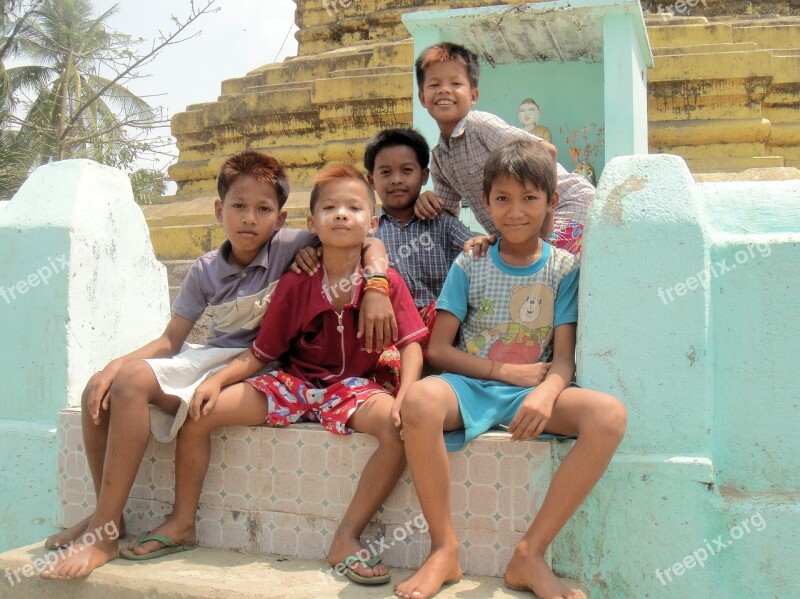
[[69, 535], [344, 546], [528, 571], [181, 533], [81, 559], [440, 568]]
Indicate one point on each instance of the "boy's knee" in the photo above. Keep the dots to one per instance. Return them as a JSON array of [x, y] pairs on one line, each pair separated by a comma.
[[417, 405], [614, 418], [133, 379]]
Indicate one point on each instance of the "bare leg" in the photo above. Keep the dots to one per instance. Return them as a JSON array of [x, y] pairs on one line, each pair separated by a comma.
[[238, 405], [430, 407], [379, 477], [599, 420], [95, 437], [129, 428]]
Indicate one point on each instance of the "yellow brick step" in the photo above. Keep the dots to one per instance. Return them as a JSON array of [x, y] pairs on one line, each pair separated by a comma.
[[698, 34], [706, 49], [709, 132], [714, 151], [769, 36], [712, 165], [736, 65], [354, 88]]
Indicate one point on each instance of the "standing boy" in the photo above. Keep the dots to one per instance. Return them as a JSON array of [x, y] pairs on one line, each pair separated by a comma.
[[514, 309], [422, 251], [447, 75]]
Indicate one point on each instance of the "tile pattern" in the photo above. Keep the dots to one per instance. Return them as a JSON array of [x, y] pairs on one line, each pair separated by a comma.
[[283, 491]]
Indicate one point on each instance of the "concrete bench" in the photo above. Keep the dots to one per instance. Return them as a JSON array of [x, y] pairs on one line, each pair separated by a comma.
[[283, 491]]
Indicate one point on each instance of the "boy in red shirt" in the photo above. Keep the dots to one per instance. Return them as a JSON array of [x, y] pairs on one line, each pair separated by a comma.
[[324, 372]]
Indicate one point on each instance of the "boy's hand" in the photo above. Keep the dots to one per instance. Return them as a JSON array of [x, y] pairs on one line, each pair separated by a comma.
[[204, 399], [95, 395], [531, 418], [479, 246], [523, 375], [376, 321], [428, 205], [396, 419], [307, 260]]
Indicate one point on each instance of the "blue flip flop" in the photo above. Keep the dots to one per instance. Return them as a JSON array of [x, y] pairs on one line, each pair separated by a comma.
[[370, 563], [169, 548]]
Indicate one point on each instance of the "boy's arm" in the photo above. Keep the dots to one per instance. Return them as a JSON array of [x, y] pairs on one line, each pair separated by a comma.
[[95, 394], [444, 197], [205, 396], [376, 317], [410, 371], [537, 408]]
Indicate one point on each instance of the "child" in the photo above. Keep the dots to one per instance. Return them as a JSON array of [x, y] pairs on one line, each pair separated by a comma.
[[150, 388], [324, 372], [447, 76], [422, 251], [515, 308]]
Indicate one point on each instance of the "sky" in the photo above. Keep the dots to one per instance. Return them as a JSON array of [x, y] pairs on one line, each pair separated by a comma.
[[242, 35]]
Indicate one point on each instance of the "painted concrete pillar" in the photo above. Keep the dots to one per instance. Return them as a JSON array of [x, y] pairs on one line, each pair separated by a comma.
[[625, 86], [688, 315], [79, 285]]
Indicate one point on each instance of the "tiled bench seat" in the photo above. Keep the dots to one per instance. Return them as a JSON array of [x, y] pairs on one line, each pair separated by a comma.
[[283, 491]]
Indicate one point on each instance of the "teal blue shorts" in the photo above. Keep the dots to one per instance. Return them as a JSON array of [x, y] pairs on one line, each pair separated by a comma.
[[484, 405]]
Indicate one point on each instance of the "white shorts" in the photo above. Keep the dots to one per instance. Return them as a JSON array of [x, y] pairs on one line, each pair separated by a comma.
[[180, 375]]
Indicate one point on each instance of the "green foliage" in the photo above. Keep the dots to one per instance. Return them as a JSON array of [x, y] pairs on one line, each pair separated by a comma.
[[68, 96], [148, 185]]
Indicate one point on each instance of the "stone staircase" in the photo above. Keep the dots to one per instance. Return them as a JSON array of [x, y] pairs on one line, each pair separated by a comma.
[[725, 92], [724, 95]]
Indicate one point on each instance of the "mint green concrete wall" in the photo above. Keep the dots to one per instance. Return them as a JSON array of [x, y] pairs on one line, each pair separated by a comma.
[[570, 96], [79, 285], [706, 373]]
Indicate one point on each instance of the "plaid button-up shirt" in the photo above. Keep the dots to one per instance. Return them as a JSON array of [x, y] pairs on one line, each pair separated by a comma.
[[422, 251], [457, 169]]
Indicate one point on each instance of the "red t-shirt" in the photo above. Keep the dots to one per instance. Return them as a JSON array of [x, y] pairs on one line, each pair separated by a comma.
[[314, 343]]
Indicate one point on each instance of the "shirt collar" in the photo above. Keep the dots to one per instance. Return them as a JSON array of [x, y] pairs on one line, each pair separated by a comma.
[[458, 131], [226, 270], [383, 216], [323, 304]]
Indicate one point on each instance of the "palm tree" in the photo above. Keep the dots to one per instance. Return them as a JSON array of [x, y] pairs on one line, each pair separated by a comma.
[[71, 109]]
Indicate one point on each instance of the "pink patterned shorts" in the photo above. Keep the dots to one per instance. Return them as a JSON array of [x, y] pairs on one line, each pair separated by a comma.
[[567, 235], [292, 400]]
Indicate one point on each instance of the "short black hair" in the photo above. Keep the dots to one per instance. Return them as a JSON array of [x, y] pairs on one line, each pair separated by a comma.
[[339, 172], [445, 52], [526, 161], [389, 138], [263, 168]]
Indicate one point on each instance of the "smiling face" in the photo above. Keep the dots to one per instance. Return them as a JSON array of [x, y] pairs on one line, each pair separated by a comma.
[[249, 215], [518, 209], [528, 115], [447, 94], [398, 179], [342, 216]]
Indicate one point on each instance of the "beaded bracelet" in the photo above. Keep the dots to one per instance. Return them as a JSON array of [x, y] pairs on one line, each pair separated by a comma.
[[379, 285]]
